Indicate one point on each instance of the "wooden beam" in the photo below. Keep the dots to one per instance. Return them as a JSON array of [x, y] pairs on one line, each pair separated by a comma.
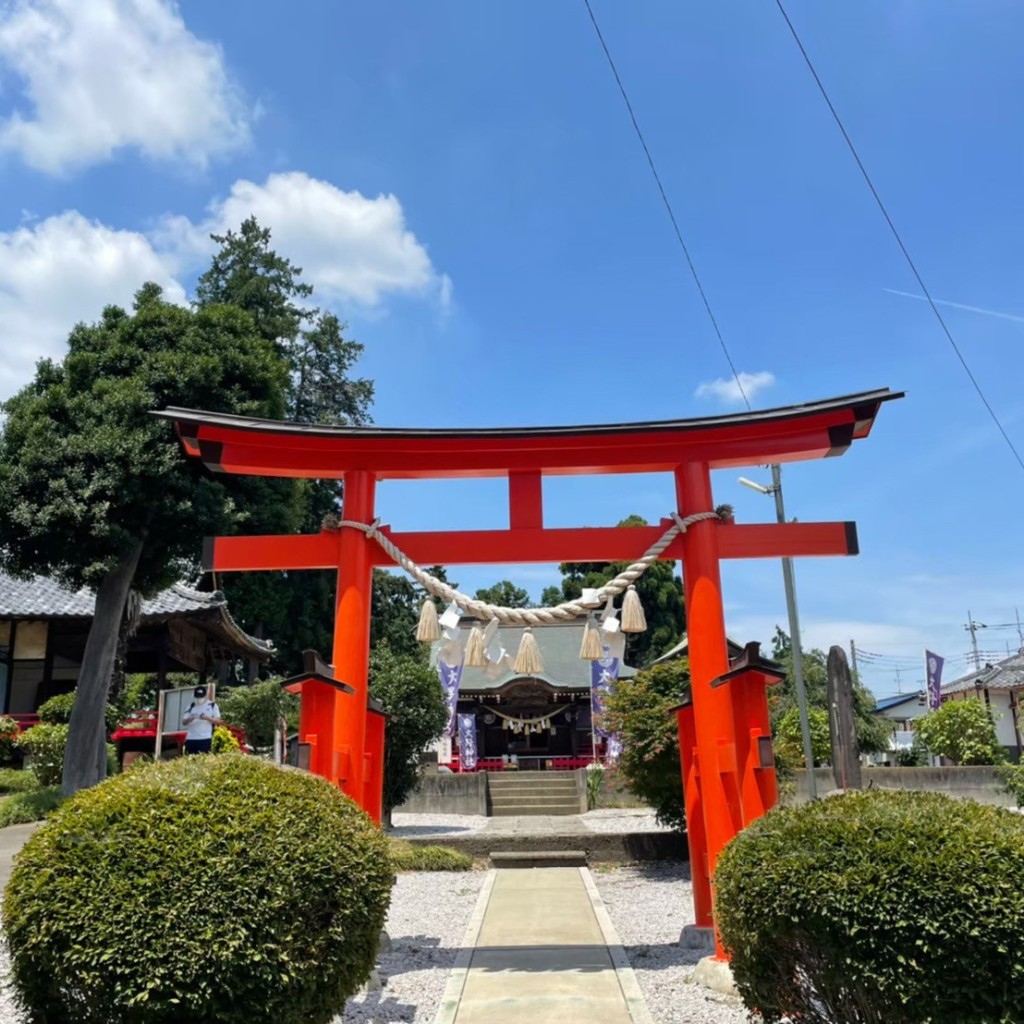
[[525, 500]]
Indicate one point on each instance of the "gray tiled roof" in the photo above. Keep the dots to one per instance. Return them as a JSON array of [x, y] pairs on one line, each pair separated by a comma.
[[43, 598], [559, 647], [1007, 674]]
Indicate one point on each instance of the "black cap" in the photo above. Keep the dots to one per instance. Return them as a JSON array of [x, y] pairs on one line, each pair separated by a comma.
[[199, 691]]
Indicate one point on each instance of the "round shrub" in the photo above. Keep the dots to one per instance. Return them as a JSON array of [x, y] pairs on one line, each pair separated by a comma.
[[57, 711], [887, 907], [8, 740], [45, 743], [224, 741], [215, 889]]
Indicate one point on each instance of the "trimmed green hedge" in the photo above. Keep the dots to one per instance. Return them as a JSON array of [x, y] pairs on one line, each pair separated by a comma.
[[408, 857], [214, 889], [880, 907]]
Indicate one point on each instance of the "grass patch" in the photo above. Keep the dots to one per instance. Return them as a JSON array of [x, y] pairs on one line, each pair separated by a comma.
[[20, 808], [17, 780], [407, 857]]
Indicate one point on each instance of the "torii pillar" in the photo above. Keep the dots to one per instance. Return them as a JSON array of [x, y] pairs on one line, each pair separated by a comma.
[[726, 721]]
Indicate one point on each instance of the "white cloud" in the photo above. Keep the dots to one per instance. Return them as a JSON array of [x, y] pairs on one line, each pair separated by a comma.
[[351, 248], [102, 75], [61, 270], [727, 389]]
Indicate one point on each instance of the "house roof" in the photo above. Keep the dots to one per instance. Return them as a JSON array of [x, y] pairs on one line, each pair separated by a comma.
[[559, 646], [887, 703], [1007, 674], [43, 598]]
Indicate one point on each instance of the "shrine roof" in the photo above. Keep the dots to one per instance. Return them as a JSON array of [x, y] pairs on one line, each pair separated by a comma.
[[241, 444]]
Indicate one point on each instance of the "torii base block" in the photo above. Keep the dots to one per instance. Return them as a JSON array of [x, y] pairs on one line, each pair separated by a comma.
[[721, 734]]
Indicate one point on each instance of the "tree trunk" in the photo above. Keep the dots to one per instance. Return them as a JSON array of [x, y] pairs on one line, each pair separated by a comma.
[[85, 758]]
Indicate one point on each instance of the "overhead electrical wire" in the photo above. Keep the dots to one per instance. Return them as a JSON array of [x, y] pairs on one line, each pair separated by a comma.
[[667, 203], [895, 233]]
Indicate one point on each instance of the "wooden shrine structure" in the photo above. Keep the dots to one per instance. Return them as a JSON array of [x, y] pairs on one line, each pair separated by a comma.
[[724, 735]]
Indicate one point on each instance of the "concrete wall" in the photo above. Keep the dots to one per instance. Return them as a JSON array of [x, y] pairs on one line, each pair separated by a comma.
[[449, 794], [975, 783]]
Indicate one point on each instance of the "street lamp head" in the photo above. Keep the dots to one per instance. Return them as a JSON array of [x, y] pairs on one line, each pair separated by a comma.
[[754, 486]]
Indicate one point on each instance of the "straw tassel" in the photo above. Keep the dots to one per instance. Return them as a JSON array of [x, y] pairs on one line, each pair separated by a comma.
[[475, 656], [591, 649], [633, 620], [427, 631], [528, 661]]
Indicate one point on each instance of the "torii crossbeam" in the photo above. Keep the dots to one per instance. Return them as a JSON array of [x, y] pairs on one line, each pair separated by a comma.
[[689, 449]]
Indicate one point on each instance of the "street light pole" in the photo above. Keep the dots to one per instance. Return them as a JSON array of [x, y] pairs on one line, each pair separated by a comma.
[[795, 645]]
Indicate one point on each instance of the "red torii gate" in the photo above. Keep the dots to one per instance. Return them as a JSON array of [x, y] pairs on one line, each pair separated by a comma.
[[716, 737]]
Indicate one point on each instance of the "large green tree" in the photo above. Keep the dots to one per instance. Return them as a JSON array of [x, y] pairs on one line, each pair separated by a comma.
[[294, 609], [410, 693], [95, 490], [660, 591]]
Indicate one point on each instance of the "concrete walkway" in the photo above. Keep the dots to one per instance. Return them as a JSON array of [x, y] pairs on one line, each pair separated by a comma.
[[12, 839], [541, 948]]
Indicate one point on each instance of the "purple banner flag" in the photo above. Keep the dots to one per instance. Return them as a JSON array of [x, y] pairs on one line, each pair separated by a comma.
[[467, 742], [603, 673], [450, 676], [933, 665]]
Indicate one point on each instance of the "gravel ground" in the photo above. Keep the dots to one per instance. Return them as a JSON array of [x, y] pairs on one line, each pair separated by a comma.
[[406, 825], [624, 819], [9, 1013], [429, 914], [649, 904]]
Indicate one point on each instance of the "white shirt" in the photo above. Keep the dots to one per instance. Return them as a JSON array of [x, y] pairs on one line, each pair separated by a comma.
[[197, 728]]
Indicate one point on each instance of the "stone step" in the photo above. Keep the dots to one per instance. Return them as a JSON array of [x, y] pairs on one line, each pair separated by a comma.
[[530, 776], [541, 791], [511, 810], [538, 859], [504, 799]]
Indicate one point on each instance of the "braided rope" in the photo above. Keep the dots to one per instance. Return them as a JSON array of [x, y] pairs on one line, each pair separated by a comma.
[[564, 612]]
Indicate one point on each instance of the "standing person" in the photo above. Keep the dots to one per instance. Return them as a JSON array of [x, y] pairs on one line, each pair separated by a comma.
[[200, 719]]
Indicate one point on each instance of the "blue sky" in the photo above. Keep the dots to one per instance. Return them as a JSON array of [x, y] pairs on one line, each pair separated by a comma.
[[461, 182]]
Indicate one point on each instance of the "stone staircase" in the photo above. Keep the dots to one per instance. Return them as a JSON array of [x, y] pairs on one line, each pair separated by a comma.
[[512, 793]]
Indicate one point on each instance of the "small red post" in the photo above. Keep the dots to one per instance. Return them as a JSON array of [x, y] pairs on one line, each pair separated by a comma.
[[695, 837], [351, 656], [709, 658], [374, 793]]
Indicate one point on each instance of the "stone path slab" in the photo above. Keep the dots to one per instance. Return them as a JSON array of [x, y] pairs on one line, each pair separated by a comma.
[[541, 948]]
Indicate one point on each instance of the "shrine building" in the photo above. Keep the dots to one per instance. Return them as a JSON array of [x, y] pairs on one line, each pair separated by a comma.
[[538, 722]]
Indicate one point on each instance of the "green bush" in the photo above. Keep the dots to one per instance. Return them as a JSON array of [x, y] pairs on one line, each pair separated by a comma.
[[35, 805], [17, 780], [407, 857], [1012, 777], [789, 739], [215, 889], [57, 711], [640, 711], [224, 741], [45, 743], [877, 908], [257, 709], [962, 731], [8, 740]]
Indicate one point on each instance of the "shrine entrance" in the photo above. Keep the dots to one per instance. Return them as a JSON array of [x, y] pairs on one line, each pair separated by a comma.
[[729, 778]]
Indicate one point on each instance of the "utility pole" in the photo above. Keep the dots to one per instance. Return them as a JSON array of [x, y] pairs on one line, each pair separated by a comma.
[[899, 684], [853, 660], [972, 627], [1020, 632]]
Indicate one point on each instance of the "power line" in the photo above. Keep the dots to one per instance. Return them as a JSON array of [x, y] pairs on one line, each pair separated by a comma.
[[668, 205], [896, 234]]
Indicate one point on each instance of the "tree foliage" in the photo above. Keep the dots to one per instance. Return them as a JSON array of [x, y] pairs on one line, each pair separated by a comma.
[[660, 591], [95, 490], [962, 731], [258, 709], [411, 697], [504, 593], [639, 710], [872, 732], [789, 742]]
